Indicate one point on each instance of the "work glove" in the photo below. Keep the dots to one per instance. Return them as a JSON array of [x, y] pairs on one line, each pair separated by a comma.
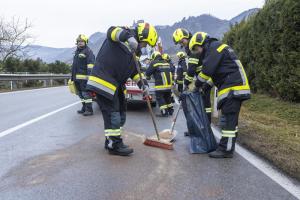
[[133, 44], [186, 82], [198, 84], [206, 87]]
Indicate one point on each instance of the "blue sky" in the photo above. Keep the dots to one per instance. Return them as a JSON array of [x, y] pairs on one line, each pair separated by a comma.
[[57, 22]]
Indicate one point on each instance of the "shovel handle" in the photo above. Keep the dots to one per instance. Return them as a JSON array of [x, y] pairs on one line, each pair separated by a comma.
[[175, 119]]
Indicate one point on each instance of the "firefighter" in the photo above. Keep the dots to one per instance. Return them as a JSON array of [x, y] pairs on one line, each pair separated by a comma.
[[222, 66], [161, 71], [115, 63], [181, 70], [182, 37], [167, 58], [83, 62]]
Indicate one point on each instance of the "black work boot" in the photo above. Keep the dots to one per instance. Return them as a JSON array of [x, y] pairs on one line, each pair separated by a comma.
[[170, 111], [107, 142], [88, 110], [164, 113], [82, 109], [186, 133], [116, 147], [221, 153]]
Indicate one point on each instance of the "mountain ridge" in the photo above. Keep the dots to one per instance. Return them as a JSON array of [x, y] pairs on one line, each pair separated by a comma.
[[208, 23]]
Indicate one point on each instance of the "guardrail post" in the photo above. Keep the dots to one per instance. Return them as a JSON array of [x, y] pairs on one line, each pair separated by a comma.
[[11, 85], [51, 81]]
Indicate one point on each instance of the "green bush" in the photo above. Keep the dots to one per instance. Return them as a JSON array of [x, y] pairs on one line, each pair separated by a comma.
[[268, 46]]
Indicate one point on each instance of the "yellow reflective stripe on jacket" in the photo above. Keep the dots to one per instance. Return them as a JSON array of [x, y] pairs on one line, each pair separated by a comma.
[[103, 83], [81, 76], [90, 66], [199, 68], [205, 77], [171, 78], [210, 82], [161, 64], [240, 87], [234, 88], [137, 77], [220, 48], [193, 61], [114, 34], [189, 78], [165, 78], [162, 86]]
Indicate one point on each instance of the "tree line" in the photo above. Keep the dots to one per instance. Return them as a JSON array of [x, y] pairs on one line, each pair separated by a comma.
[[268, 46], [14, 65]]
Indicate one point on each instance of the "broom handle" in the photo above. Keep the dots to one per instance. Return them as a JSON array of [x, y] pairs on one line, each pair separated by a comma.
[[175, 119], [147, 98]]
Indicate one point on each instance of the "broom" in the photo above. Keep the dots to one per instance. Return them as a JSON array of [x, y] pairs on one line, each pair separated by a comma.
[[155, 142]]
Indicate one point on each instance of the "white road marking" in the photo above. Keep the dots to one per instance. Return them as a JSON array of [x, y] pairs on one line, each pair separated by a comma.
[[266, 168], [32, 90], [13, 129]]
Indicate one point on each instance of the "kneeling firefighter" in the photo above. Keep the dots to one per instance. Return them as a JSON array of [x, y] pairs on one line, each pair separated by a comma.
[[83, 62], [115, 63], [222, 66], [162, 73]]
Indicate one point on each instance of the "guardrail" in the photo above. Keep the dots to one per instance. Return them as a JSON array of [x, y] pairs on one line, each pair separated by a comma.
[[27, 77]]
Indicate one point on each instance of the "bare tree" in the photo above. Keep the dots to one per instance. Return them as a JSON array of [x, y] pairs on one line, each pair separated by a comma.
[[14, 37]]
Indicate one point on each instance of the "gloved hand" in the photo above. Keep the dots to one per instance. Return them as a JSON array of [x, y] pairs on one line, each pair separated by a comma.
[[133, 44], [186, 82], [206, 87], [198, 83]]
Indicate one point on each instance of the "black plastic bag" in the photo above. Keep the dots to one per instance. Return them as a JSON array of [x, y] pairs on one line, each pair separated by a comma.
[[202, 137]]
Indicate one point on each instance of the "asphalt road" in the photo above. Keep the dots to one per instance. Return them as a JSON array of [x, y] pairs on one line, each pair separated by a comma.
[[62, 157]]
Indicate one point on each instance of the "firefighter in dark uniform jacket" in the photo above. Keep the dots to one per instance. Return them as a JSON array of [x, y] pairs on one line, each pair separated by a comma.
[[114, 65], [161, 71], [222, 66], [83, 62], [167, 58], [182, 37], [181, 70]]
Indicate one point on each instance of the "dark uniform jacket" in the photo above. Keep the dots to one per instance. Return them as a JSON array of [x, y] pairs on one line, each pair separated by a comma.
[[83, 63], [114, 64], [221, 64], [161, 71], [181, 71], [194, 66]]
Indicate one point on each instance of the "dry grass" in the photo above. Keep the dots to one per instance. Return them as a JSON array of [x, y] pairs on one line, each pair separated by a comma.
[[271, 128]]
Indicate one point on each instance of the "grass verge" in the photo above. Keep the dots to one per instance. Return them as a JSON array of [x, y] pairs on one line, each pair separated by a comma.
[[271, 128]]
